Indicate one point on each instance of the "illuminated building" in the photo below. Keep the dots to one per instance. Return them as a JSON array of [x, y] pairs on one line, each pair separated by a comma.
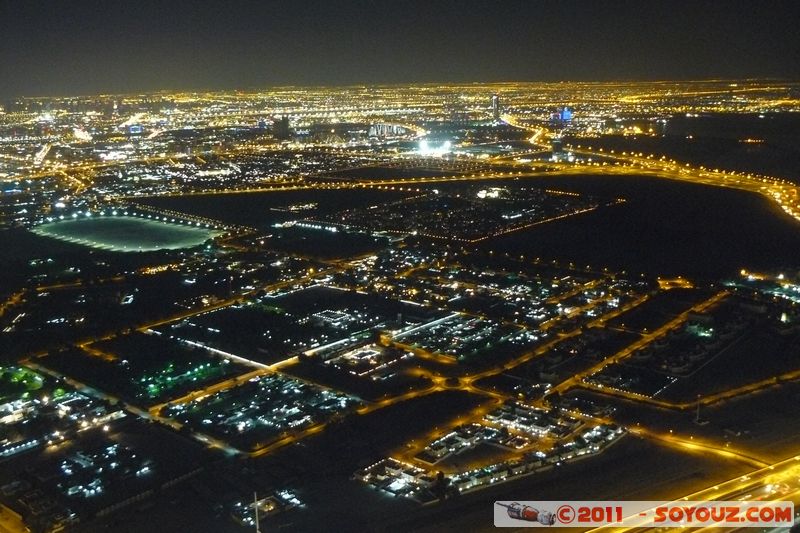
[[495, 107]]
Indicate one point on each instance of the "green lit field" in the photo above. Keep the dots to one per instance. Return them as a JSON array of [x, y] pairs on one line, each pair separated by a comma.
[[126, 234], [145, 369], [17, 382]]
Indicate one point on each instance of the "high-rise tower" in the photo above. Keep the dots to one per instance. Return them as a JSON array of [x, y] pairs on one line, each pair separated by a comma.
[[496, 107]]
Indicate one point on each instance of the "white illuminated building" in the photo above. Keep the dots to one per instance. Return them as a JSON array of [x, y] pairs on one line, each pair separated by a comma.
[[426, 148]]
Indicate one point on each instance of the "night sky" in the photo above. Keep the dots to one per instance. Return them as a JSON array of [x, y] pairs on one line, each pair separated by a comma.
[[83, 47]]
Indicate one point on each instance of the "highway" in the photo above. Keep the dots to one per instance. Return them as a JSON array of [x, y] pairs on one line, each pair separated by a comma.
[[779, 481], [784, 193]]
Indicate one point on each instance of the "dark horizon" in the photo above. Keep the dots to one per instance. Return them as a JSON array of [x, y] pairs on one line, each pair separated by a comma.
[[91, 47]]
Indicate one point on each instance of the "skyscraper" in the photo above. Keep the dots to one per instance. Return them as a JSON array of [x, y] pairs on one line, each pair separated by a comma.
[[495, 107]]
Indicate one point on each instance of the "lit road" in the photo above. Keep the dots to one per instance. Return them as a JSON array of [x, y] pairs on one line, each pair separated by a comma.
[[749, 388], [777, 482], [11, 522], [467, 383], [12, 300], [646, 339], [782, 192], [698, 445], [540, 134]]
